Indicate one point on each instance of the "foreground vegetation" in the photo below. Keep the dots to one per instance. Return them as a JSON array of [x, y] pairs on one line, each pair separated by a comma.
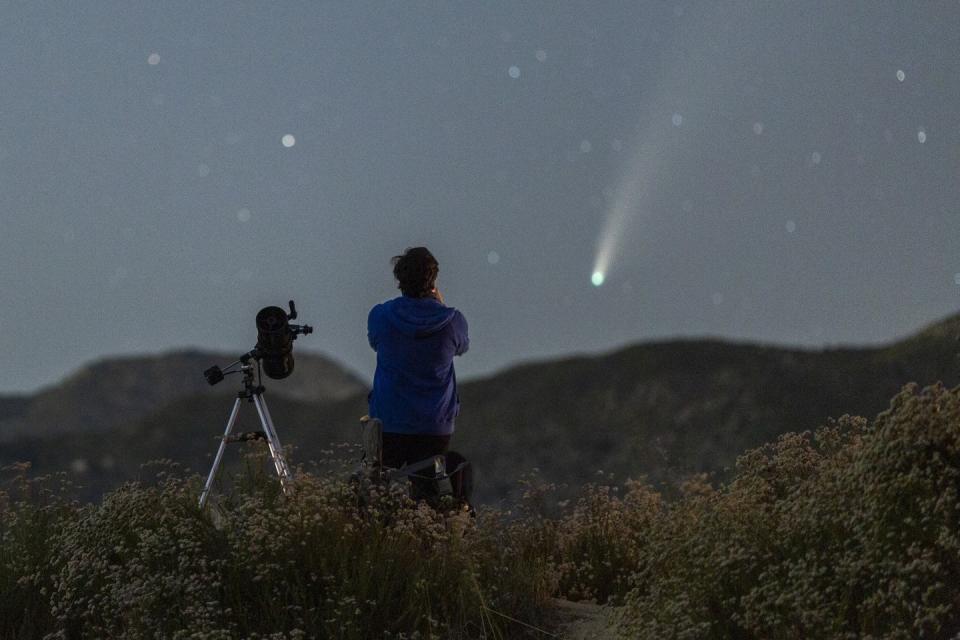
[[851, 531]]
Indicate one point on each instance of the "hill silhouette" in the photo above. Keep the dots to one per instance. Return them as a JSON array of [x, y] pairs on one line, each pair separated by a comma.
[[120, 390], [662, 410]]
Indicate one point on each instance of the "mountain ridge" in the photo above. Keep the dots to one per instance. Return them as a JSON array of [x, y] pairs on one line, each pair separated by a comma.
[[948, 325], [659, 410]]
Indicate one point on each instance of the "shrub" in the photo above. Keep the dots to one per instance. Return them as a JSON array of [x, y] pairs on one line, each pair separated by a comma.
[[144, 563], [32, 513], [335, 560], [849, 532], [602, 541]]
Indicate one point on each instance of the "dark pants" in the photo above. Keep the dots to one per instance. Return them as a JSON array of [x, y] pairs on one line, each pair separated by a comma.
[[401, 449]]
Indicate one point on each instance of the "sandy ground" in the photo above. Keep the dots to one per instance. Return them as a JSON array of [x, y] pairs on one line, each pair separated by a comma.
[[581, 620]]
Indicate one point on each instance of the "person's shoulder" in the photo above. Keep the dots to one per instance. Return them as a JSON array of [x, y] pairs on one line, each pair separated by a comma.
[[376, 310], [386, 303], [459, 320]]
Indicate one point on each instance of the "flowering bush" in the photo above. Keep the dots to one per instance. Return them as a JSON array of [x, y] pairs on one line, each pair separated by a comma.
[[332, 560], [850, 531]]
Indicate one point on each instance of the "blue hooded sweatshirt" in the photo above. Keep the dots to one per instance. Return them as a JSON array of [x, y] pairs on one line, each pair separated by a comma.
[[415, 386]]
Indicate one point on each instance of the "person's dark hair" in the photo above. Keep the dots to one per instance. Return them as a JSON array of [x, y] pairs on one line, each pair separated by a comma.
[[416, 272]]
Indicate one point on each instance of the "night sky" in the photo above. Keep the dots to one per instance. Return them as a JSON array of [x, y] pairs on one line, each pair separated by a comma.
[[780, 172]]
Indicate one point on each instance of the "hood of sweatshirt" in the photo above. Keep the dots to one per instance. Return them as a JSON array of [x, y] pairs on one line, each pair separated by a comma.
[[418, 317]]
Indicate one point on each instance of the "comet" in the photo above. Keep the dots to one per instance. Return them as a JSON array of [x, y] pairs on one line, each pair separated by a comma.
[[680, 103], [625, 205]]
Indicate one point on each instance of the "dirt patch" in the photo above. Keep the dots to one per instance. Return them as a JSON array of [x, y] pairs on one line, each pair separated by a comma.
[[582, 621]]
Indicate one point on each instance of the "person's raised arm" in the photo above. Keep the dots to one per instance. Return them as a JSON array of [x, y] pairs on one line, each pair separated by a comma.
[[371, 330], [463, 339]]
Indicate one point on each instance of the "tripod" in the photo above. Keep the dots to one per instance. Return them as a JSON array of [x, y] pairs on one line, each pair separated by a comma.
[[252, 393]]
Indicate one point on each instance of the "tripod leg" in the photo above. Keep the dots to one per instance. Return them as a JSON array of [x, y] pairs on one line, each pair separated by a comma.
[[216, 461], [273, 442]]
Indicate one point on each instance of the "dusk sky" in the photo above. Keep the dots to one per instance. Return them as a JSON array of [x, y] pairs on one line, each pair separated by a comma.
[[783, 172]]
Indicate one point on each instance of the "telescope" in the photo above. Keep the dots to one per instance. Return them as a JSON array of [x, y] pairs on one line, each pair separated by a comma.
[[274, 350], [273, 355]]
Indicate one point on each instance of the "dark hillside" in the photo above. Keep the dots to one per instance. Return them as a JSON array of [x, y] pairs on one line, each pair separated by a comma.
[[187, 432], [125, 390], [13, 406], [662, 410]]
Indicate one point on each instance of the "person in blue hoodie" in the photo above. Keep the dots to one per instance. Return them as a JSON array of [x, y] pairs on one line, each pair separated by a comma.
[[416, 337]]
